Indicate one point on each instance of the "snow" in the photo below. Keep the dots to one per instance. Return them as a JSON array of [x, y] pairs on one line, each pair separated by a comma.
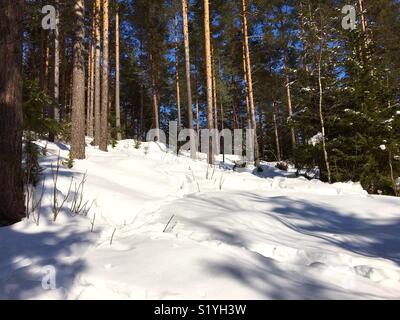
[[168, 227], [316, 139]]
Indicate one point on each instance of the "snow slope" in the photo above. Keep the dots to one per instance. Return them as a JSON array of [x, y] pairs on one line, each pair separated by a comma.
[[167, 227]]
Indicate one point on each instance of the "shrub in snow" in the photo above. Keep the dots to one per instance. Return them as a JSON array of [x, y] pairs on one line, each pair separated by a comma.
[[69, 162], [31, 167]]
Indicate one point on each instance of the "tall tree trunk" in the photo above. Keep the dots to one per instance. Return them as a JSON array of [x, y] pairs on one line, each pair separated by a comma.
[[196, 88], [220, 98], [366, 57], [234, 104], [90, 67], [246, 90], [46, 55], [207, 45], [197, 115], [54, 109], [363, 19], [141, 110], [277, 143], [250, 83], [104, 82], [222, 114], [188, 75], [12, 194], [187, 62], [177, 80], [214, 84], [78, 84], [57, 63], [97, 94], [117, 86], [289, 99], [90, 128], [321, 115], [154, 95]]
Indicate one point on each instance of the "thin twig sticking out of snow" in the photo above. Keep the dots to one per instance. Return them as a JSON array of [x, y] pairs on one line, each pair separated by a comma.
[[212, 176], [57, 207], [31, 206], [92, 222], [221, 181], [169, 221], [78, 206], [112, 237], [194, 179]]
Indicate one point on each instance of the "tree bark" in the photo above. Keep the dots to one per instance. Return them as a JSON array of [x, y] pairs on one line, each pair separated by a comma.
[[250, 83], [188, 75], [90, 67], [97, 94], [196, 88], [78, 84], [246, 90], [57, 64], [187, 62], [154, 94], [289, 99], [46, 52], [104, 82], [321, 115], [277, 143], [141, 110], [117, 76], [54, 109], [207, 45], [363, 19], [12, 195], [177, 79], [90, 119], [214, 84]]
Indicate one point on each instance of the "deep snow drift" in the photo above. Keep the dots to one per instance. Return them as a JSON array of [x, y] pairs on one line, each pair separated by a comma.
[[167, 227]]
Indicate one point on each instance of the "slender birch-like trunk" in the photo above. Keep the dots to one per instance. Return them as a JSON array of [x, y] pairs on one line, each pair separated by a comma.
[[207, 45]]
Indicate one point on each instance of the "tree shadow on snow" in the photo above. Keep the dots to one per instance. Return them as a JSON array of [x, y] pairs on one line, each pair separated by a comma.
[[365, 237], [26, 258], [361, 236]]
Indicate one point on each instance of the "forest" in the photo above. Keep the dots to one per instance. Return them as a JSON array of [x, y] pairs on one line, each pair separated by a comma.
[[316, 83], [317, 93]]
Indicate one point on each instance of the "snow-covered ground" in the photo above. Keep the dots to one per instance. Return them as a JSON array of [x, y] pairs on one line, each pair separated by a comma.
[[167, 227]]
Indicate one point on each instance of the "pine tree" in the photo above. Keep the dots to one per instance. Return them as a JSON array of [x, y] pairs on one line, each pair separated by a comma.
[[97, 87], [12, 196], [78, 85], [104, 81], [207, 41], [188, 74], [117, 78], [250, 83]]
